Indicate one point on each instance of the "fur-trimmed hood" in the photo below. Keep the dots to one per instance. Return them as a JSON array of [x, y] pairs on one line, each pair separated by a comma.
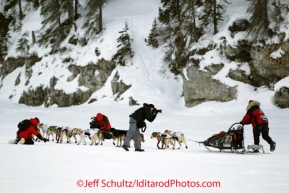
[[252, 103]]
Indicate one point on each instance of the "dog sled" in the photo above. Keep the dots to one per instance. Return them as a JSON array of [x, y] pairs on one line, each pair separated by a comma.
[[230, 141]]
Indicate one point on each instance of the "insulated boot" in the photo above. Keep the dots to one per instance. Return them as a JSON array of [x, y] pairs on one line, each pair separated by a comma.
[[139, 149], [21, 142], [272, 146], [255, 148], [125, 147]]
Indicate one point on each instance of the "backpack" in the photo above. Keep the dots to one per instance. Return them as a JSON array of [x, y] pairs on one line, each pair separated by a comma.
[[24, 125]]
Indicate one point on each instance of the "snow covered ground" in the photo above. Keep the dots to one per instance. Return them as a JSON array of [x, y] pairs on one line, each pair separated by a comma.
[[50, 167]]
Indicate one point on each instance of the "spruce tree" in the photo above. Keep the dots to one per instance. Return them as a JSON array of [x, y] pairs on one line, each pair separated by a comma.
[[57, 21], [14, 9], [3, 44], [93, 18], [170, 11], [16, 5], [124, 47], [177, 30], [212, 13], [259, 22], [152, 39], [23, 45]]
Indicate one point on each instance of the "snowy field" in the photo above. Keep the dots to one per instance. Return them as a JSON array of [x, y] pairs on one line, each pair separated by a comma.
[[50, 167]]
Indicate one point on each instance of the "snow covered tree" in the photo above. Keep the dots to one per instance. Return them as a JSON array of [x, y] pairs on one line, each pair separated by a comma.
[[67, 7], [16, 5], [152, 39], [177, 30], [124, 47], [57, 21], [4, 35], [3, 44], [23, 45], [212, 13], [14, 9], [191, 19], [259, 22], [93, 22], [170, 11]]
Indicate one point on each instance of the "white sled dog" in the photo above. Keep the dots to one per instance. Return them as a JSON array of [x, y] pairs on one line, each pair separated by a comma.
[[93, 134], [177, 136], [46, 131]]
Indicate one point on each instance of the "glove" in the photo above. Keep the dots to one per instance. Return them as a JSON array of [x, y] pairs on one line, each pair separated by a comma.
[[44, 139]]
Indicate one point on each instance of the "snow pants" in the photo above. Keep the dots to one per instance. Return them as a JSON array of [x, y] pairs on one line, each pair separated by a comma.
[[264, 130]]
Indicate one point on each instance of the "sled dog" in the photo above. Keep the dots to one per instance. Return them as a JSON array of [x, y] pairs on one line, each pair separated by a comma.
[[177, 136], [118, 135], [141, 139], [166, 139], [93, 134]]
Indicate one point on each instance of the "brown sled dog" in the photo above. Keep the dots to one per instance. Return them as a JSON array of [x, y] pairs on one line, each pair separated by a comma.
[[164, 138]]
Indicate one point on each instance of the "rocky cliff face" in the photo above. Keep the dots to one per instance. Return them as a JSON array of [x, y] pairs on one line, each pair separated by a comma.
[[86, 77], [281, 97], [202, 87], [198, 85], [268, 64]]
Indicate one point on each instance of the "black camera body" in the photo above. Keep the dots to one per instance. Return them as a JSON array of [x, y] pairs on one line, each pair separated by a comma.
[[159, 110]]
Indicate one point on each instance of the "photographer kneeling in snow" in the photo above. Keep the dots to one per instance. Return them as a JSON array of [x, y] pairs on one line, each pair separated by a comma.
[[259, 121], [24, 135], [137, 121]]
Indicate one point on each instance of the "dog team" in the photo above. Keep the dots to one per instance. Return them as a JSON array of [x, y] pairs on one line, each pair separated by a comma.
[[100, 129]]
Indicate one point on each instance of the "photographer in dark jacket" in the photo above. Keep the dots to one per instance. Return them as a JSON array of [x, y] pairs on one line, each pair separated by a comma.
[[137, 121]]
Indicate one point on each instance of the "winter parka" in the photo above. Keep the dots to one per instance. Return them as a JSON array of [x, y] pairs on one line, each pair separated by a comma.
[[142, 114], [102, 122], [32, 130], [254, 115]]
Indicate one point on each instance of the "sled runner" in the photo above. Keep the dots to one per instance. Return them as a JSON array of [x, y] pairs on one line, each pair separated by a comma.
[[232, 140]]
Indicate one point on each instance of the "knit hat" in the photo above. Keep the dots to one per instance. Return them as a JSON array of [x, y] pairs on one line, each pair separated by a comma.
[[250, 101], [151, 106]]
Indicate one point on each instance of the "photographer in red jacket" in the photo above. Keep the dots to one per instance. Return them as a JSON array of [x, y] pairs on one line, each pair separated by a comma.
[[25, 137], [259, 121], [101, 122]]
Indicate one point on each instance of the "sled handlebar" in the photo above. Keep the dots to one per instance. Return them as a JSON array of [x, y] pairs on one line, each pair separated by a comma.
[[233, 125]]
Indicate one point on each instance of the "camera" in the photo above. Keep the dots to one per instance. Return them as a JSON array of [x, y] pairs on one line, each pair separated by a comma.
[[159, 110]]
